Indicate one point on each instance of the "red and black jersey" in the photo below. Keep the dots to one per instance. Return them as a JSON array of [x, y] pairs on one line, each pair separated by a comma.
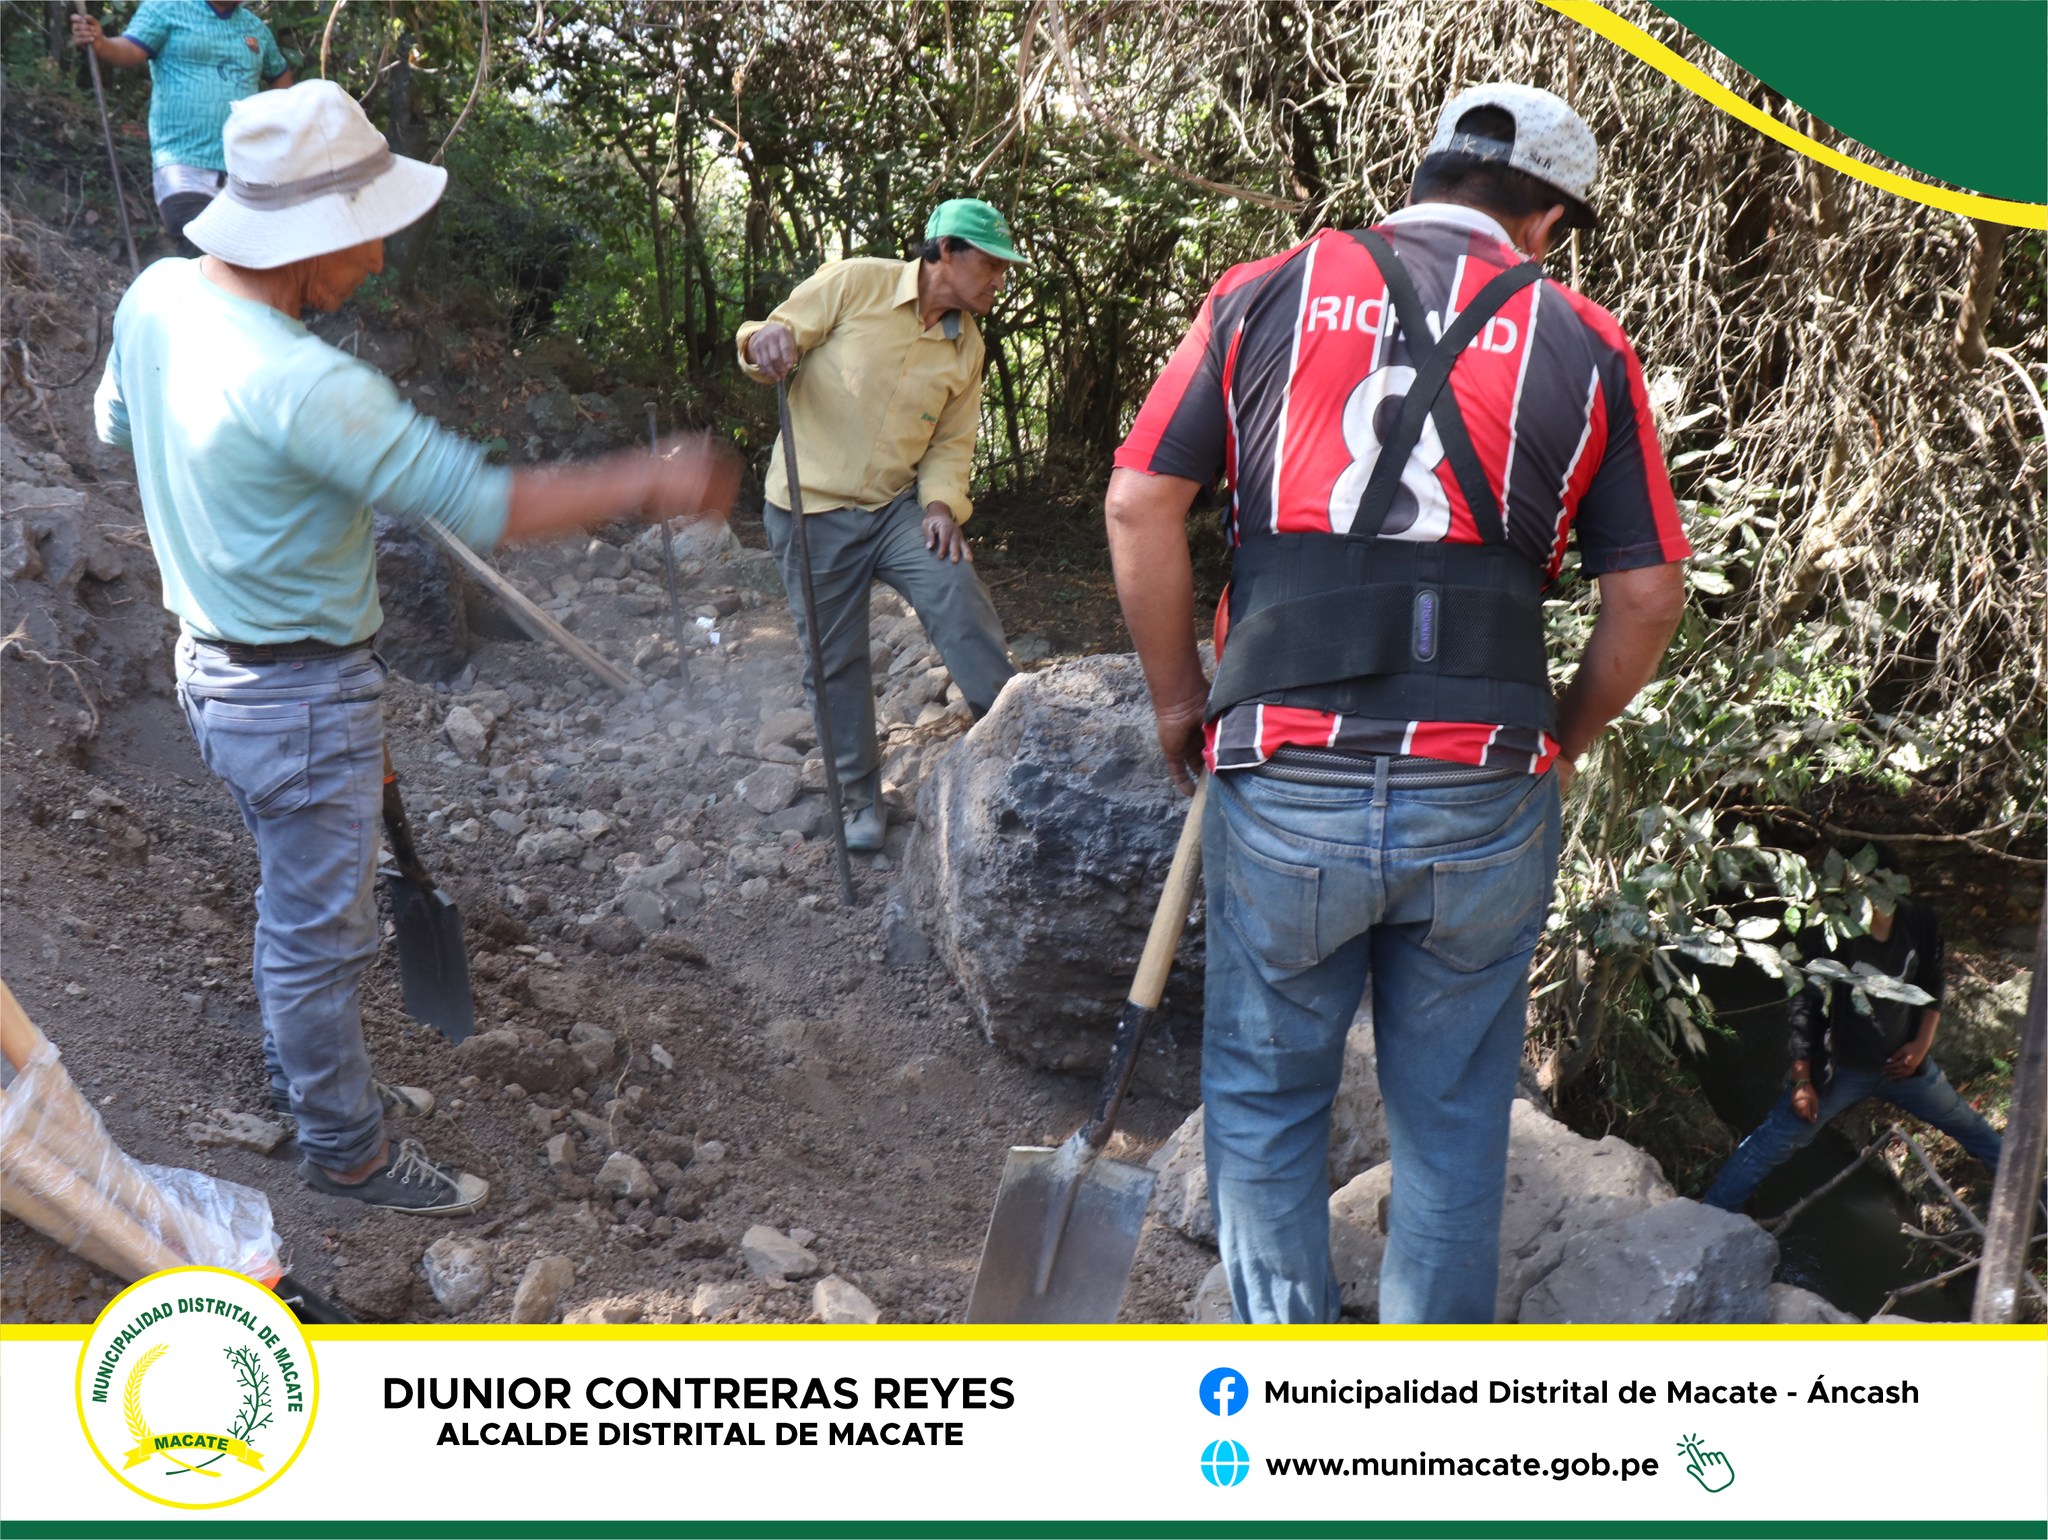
[[1294, 372]]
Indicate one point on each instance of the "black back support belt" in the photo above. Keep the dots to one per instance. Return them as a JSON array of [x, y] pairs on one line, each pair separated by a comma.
[[1400, 629], [1397, 629]]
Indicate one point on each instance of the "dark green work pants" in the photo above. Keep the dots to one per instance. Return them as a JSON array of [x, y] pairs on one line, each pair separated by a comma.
[[852, 548]]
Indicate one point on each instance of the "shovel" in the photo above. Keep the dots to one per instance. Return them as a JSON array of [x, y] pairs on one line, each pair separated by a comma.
[[433, 968], [1065, 1230]]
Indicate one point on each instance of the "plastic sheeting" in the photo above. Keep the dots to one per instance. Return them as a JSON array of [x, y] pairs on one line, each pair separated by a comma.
[[62, 1172]]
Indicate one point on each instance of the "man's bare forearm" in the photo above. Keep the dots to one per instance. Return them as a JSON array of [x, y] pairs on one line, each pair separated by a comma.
[[548, 501], [689, 477], [1639, 612], [1155, 580], [1155, 583]]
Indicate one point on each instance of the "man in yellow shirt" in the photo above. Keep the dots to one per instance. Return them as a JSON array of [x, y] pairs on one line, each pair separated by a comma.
[[885, 411]]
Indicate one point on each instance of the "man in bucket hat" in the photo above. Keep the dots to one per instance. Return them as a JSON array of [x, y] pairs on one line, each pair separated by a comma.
[[258, 452], [885, 415], [1414, 420]]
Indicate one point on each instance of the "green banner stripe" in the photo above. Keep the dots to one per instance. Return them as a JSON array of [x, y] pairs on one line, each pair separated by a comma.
[[1220, 1529], [1955, 89]]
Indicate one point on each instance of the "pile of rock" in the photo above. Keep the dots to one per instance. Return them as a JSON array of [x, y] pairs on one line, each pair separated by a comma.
[[618, 817], [1590, 1230]]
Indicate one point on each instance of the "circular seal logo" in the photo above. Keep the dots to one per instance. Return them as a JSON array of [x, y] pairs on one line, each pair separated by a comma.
[[197, 1388]]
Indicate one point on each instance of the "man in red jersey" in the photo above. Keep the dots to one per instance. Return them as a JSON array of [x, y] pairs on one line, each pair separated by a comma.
[[1413, 422]]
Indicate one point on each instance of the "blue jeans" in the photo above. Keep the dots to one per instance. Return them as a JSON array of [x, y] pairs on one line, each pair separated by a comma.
[[300, 744], [1926, 1095], [1435, 897]]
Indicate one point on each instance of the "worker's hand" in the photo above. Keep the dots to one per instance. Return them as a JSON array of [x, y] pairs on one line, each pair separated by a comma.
[[85, 32], [1905, 1063], [1180, 738], [942, 536], [772, 350], [1566, 771], [691, 477], [1806, 1101]]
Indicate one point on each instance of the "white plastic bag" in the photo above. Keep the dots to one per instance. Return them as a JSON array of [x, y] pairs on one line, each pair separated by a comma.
[[62, 1172]]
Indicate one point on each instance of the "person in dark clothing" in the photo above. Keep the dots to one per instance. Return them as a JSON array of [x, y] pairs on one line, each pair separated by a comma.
[[1881, 1053]]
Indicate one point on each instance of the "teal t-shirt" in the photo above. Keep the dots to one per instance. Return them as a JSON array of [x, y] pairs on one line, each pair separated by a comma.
[[258, 452], [200, 64]]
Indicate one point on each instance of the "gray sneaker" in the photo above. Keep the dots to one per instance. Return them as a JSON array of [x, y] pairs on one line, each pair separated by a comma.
[[867, 827], [408, 1182]]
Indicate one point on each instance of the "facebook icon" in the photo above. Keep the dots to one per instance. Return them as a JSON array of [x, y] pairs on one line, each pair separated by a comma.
[[1222, 1392]]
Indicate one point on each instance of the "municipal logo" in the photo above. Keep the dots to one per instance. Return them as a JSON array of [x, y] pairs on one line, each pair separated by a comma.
[[1225, 1463], [1222, 1392], [197, 1388]]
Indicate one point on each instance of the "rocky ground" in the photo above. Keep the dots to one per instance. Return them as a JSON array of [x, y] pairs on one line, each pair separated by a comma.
[[698, 1082], [682, 1035], [701, 1088]]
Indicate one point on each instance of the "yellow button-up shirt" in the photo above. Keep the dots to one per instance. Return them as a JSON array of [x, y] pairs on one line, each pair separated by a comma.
[[878, 401]]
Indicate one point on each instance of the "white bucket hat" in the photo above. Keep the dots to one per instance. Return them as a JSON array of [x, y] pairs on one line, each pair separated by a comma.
[[308, 174]]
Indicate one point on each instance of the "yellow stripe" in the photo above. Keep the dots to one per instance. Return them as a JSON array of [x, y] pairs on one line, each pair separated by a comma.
[[1930, 1332], [2032, 216]]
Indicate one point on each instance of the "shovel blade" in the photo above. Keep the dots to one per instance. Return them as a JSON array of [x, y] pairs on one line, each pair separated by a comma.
[[1096, 1247], [433, 967]]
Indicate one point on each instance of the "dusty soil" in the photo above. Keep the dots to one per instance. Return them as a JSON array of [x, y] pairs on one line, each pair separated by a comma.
[[769, 1066]]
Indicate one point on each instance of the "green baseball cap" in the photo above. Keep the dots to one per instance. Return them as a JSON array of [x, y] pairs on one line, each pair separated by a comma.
[[979, 224]]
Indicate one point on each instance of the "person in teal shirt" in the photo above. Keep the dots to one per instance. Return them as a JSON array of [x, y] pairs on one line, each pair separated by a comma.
[[258, 451], [203, 57]]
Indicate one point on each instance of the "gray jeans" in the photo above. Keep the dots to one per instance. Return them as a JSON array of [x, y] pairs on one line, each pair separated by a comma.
[[852, 548], [300, 744]]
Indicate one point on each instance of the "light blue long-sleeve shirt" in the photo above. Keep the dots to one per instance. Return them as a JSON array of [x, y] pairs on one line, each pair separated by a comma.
[[258, 452]]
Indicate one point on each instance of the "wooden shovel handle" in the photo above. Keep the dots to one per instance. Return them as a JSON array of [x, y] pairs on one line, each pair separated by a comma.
[[19, 1037], [46, 1192], [1172, 916], [1168, 921], [50, 1165], [535, 621]]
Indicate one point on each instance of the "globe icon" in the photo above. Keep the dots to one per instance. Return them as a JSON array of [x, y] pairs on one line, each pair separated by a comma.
[[1225, 1463]]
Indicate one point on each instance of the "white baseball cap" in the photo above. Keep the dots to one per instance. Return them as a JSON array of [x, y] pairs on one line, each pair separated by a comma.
[[308, 173], [1551, 142]]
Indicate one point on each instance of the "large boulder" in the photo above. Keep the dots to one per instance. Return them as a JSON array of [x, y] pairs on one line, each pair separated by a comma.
[[1679, 1263], [1559, 1187], [1358, 1141], [1043, 839], [1980, 1025]]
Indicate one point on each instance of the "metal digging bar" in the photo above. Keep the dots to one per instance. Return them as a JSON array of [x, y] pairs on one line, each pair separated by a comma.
[[99, 92], [668, 574], [814, 649]]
